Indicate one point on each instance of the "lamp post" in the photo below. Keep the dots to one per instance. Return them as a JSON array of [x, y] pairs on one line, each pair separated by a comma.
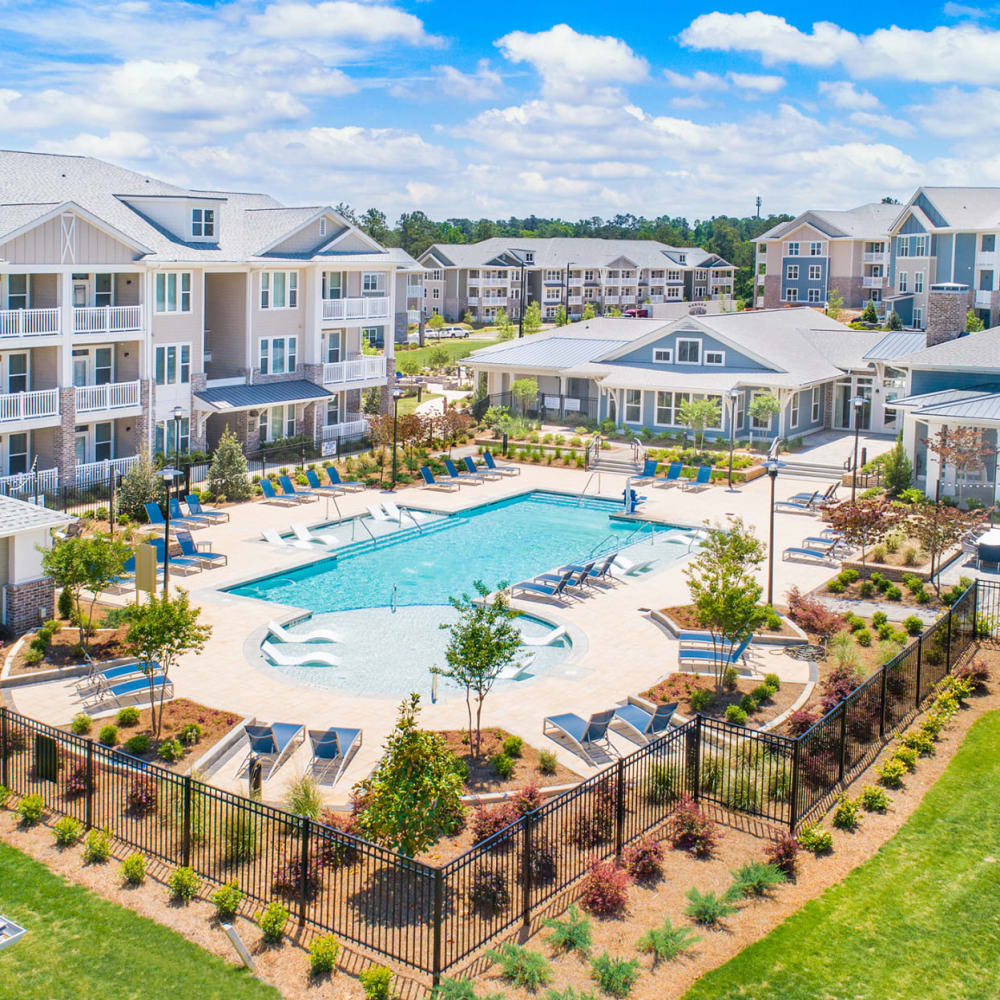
[[168, 475], [772, 471], [857, 403], [178, 414], [734, 396], [397, 394]]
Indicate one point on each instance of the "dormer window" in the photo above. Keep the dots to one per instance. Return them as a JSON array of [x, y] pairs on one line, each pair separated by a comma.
[[203, 223], [322, 226]]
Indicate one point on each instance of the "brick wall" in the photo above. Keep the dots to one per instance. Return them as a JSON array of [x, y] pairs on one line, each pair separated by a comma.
[[945, 316], [24, 601], [772, 291]]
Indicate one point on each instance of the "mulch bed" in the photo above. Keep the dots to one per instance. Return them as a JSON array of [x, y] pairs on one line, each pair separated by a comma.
[[64, 649], [678, 687], [686, 615]]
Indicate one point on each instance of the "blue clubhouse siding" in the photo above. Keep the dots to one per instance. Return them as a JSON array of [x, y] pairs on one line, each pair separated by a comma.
[[935, 381], [642, 357], [802, 284]]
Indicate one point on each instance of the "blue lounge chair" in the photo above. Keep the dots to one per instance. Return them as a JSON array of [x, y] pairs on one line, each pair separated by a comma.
[[466, 477], [702, 480], [484, 473], [271, 495], [583, 733], [191, 551], [729, 659], [127, 578], [694, 636], [810, 555], [603, 571], [504, 470], [181, 562], [332, 749], [157, 520], [672, 477], [351, 485], [579, 574], [303, 496], [195, 509], [315, 484], [648, 471], [103, 678], [191, 520], [641, 726], [136, 687], [553, 590], [798, 506], [273, 743], [430, 483]]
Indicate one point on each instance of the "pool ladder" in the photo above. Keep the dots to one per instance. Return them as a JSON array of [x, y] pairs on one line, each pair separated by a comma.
[[392, 600]]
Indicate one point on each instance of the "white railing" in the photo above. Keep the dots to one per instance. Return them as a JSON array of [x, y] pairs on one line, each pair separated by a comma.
[[39, 481], [611, 300], [575, 300], [29, 405], [473, 299], [983, 298], [475, 281], [95, 472], [655, 298], [872, 282], [355, 425], [107, 319], [110, 396], [376, 307], [354, 370], [627, 299], [875, 258], [986, 258], [29, 322], [493, 300]]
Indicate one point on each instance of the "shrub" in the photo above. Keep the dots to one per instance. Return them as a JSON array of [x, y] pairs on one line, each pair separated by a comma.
[[918, 740], [839, 683], [835, 586], [271, 920], [605, 889], [227, 901], [874, 799], [689, 829], [503, 766], [170, 751], [736, 714], [913, 625], [190, 734], [133, 869], [662, 783], [128, 716], [799, 721], [31, 808], [783, 853], [730, 677], [643, 860], [707, 908], [97, 846], [323, 953], [773, 680], [137, 744], [302, 797], [885, 632], [812, 615], [81, 724], [863, 637], [184, 884], [614, 976], [975, 672], [547, 762], [489, 892], [748, 703], [288, 878], [527, 969], [700, 699], [571, 934], [816, 840], [512, 746], [242, 836], [847, 814], [866, 588], [890, 773], [527, 800], [141, 795], [108, 735], [67, 831], [487, 821], [376, 981], [854, 622], [894, 593], [667, 942]]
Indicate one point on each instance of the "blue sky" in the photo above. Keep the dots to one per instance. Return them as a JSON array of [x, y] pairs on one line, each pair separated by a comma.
[[569, 109]]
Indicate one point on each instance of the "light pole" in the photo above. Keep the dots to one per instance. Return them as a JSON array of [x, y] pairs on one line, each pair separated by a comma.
[[857, 403], [168, 475], [396, 396], [734, 396], [178, 413], [772, 471]]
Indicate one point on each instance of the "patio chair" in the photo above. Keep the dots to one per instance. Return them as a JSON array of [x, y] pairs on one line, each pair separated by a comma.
[[728, 659], [823, 542], [332, 749], [630, 568], [641, 726], [177, 516], [127, 577], [553, 590], [134, 687], [579, 574], [584, 734], [280, 659], [315, 484], [303, 534], [688, 637], [314, 635], [673, 476], [273, 743], [303, 496], [483, 472], [156, 519], [810, 555], [987, 553], [185, 563], [351, 485], [798, 506], [98, 679], [430, 483], [504, 470], [273, 538], [550, 638], [466, 477], [195, 509], [206, 557], [702, 481], [602, 570], [648, 471], [271, 495], [807, 497]]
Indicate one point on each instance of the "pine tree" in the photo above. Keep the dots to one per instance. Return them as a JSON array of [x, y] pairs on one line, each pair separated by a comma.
[[228, 475], [894, 323], [897, 472], [869, 315], [140, 485]]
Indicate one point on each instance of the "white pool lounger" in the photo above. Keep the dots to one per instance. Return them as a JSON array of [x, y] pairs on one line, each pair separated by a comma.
[[282, 659]]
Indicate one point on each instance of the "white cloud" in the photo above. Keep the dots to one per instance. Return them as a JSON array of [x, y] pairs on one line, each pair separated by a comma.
[[370, 22], [965, 52], [763, 83], [571, 64], [843, 94], [116, 146], [757, 83], [953, 113], [698, 80], [478, 86], [883, 123]]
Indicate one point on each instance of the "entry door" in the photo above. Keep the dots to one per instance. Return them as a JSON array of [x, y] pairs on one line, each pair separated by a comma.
[[81, 292], [81, 362], [80, 447]]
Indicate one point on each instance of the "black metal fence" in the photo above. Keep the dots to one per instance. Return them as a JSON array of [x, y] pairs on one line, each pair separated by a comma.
[[433, 918]]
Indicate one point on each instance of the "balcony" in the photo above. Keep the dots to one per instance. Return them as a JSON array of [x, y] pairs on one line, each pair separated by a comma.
[[26, 484], [875, 258], [575, 300], [110, 396], [29, 405], [472, 299], [376, 307], [611, 300], [984, 296], [354, 370], [870, 281], [354, 426], [627, 300], [655, 298], [29, 322], [107, 319], [414, 291], [987, 259], [98, 472], [493, 300]]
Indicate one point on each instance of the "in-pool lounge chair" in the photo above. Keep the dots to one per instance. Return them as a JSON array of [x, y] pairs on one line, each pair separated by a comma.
[[551, 590], [273, 538], [811, 555], [702, 481], [430, 483], [630, 567], [351, 485], [673, 476], [195, 509], [311, 659], [504, 470], [729, 658], [377, 512], [314, 635], [318, 487], [518, 668], [332, 749], [273, 743], [190, 550], [402, 514], [271, 495], [807, 506], [466, 477], [185, 563], [304, 496], [550, 638], [584, 734], [648, 471], [303, 534], [641, 726], [483, 471]]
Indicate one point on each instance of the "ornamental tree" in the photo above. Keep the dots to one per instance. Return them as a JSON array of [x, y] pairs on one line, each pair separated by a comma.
[[973, 324], [436, 321], [965, 449], [413, 797], [562, 317], [897, 470], [938, 528], [140, 485], [589, 312], [763, 409], [869, 314], [525, 391], [532, 318], [228, 475], [865, 522], [834, 303], [505, 328], [699, 413]]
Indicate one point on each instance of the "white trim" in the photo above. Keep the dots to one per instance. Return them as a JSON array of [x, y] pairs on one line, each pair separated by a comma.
[[687, 340], [794, 412], [816, 403], [668, 360], [721, 363]]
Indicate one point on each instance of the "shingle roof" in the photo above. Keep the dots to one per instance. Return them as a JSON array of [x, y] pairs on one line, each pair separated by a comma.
[[871, 221], [16, 516], [974, 351], [966, 207], [241, 397]]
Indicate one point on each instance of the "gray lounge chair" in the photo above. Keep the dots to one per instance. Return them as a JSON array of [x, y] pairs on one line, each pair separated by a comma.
[[552, 590], [273, 743], [582, 733], [810, 555], [641, 726], [798, 506], [332, 749]]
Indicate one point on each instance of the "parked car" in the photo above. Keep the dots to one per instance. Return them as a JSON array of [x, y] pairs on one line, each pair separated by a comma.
[[642, 313], [450, 331]]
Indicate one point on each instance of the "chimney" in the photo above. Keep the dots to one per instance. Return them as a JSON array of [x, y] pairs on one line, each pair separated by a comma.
[[947, 304]]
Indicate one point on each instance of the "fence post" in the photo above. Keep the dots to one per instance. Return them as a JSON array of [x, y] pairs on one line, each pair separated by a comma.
[[438, 919], [881, 716], [793, 818], [88, 815], [186, 842], [304, 872], [3, 747], [947, 648], [920, 665], [526, 869], [696, 792], [843, 741], [112, 483], [620, 809]]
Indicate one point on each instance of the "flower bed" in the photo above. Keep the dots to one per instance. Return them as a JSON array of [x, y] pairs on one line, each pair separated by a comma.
[[685, 616], [681, 687]]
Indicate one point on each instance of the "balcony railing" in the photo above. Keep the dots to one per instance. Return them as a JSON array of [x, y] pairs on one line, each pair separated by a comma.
[[29, 322], [29, 405], [493, 300], [96, 472], [983, 298], [611, 300], [655, 298], [354, 426], [354, 370], [875, 258], [986, 258], [376, 307], [107, 319], [872, 282], [472, 299], [29, 483], [110, 396]]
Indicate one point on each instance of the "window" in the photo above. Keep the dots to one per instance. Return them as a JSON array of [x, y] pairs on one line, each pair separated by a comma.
[[277, 422], [333, 347], [717, 419], [435, 293], [372, 283], [688, 352], [815, 249], [738, 415], [173, 292], [17, 373], [103, 366], [172, 364], [989, 243], [103, 295], [322, 226], [715, 358], [815, 272], [165, 442], [791, 272], [633, 406], [921, 245], [373, 334], [918, 318], [333, 285], [553, 276], [673, 292], [17, 291], [903, 281], [792, 250], [918, 281], [902, 246], [102, 442], [667, 405], [762, 249], [793, 416], [277, 355], [529, 257], [762, 268], [682, 258], [279, 290], [760, 425], [813, 295], [333, 411], [816, 403], [791, 295], [17, 454], [203, 222], [674, 276]]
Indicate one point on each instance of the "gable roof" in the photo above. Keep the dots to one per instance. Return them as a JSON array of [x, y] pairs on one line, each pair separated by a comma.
[[870, 221], [973, 352], [961, 207], [17, 516]]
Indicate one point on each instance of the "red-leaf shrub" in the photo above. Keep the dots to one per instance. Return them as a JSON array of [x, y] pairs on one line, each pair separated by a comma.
[[689, 829], [975, 671], [488, 820], [489, 892], [333, 851], [141, 796], [643, 860], [799, 721], [542, 859], [605, 889], [837, 685], [812, 615], [287, 879], [784, 853], [818, 769], [527, 800], [77, 783]]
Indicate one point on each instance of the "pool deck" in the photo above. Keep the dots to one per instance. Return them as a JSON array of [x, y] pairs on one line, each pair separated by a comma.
[[626, 651]]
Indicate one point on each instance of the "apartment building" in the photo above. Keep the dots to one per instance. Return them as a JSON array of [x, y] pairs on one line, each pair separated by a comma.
[[126, 301], [802, 261], [502, 273]]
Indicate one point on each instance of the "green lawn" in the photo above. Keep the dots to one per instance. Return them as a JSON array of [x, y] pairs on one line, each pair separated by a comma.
[[79, 945], [919, 921], [409, 403], [457, 349]]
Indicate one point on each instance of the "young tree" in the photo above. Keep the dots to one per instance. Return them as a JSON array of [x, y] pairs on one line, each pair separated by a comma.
[[589, 312], [613, 312], [897, 470], [483, 641], [408, 364], [723, 584], [561, 316], [763, 409], [973, 324], [140, 485], [699, 413], [865, 522], [869, 314], [228, 475], [413, 796], [439, 357], [468, 318], [525, 391], [938, 528], [532, 318], [159, 632], [894, 322], [834, 303], [83, 563], [480, 392], [436, 322], [371, 400], [965, 449], [505, 328]]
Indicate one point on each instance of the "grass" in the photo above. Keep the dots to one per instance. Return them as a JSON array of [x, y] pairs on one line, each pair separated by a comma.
[[408, 404], [79, 945], [457, 349], [915, 922]]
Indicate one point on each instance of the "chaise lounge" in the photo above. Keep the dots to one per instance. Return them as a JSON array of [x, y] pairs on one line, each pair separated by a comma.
[[584, 734], [641, 726]]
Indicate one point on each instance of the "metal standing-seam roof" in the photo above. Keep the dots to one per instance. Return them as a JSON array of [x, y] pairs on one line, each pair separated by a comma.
[[242, 397], [979, 404], [896, 345]]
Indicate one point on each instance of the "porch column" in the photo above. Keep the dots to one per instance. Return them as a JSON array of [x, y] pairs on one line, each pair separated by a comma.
[[933, 466], [783, 400], [619, 406], [66, 320]]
